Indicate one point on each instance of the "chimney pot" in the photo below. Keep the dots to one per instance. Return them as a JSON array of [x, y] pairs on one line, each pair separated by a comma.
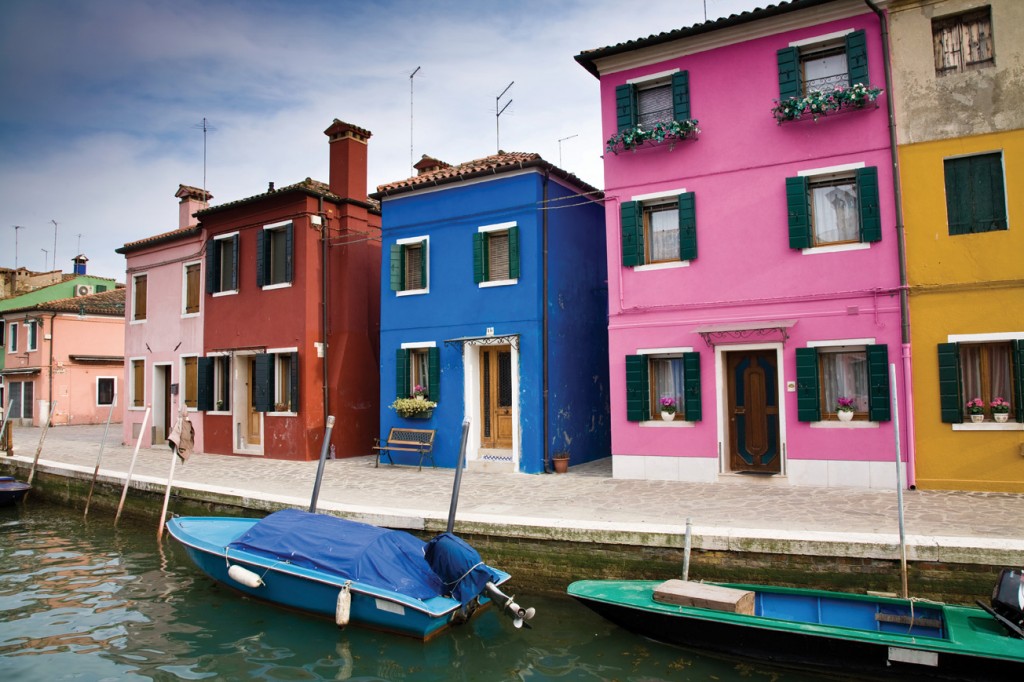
[[348, 154]]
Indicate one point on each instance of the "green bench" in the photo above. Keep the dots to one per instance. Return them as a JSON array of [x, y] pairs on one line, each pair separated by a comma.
[[400, 439]]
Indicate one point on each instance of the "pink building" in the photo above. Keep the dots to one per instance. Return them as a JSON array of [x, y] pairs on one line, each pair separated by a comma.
[[753, 260], [163, 325]]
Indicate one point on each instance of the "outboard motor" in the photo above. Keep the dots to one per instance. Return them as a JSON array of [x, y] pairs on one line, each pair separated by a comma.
[[517, 613], [1008, 597]]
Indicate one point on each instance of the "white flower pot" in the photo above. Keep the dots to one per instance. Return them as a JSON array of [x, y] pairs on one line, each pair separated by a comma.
[[668, 416], [845, 416], [977, 418], [1001, 417]]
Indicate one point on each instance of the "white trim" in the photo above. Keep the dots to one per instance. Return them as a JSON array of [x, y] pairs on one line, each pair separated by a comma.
[[829, 424], [988, 426], [275, 351], [497, 227], [497, 283], [841, 168], [840, 342], [662, 266], [31, 325], [642, 80], [659, 423], [183, 377], [471, 400], [1002, 156], [135, 299], [835, 248], [827, 38], [97, 393], [226, 292], [277, 226], [12, 337], [412, 240], [184, 288], [226, 235], [992, 336], [425, 241], [419, 344], [668, 194], [664, 351], [411, 292], [281, 285], [130, 404]]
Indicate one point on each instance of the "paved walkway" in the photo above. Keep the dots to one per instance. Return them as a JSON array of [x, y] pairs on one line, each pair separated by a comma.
[[586, 503]]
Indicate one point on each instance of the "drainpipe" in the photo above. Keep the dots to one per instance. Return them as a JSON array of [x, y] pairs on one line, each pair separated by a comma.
[[900, 247], [50, 397], [544, 318], [323, 301]]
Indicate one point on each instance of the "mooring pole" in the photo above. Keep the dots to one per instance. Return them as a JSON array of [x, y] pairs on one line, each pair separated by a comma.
[[899, 478], [99, 458], [458, 476], [42, 437], [686, 550], [320, 466], [131, 467]]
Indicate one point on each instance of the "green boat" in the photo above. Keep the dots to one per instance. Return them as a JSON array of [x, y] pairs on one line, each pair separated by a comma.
[[865, 636]]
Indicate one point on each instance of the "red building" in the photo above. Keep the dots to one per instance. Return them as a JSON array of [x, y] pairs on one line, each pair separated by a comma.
[[292, 314]]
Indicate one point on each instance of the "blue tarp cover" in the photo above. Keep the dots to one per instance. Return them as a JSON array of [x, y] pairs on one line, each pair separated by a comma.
[[459, 566], [389, 559]]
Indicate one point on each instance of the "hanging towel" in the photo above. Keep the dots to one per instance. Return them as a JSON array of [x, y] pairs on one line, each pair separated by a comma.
[[182, 437]]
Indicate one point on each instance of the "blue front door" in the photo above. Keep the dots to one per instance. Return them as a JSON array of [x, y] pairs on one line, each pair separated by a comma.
[[753, 411]]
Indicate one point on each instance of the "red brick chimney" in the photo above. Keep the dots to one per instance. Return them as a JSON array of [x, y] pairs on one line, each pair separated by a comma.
[[348, 159], [192, 199]]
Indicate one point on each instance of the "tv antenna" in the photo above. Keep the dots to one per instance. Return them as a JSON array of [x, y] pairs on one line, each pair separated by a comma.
[[54, 244], [16, 228], [79, 244], [560, 141], [206, 128], [46, 256], [412, 171], [498, 112]]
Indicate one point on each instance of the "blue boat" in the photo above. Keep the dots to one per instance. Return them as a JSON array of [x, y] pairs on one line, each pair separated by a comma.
[[11, 490], [353, 572]]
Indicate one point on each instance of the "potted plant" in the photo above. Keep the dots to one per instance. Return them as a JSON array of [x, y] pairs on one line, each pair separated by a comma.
[[1000, 410], [419, 392], [668, 408], [845, 408], [561, 462], [976, 408], [413, 408]]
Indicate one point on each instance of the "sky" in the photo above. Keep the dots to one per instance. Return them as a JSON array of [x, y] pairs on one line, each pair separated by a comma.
[[104, 101]]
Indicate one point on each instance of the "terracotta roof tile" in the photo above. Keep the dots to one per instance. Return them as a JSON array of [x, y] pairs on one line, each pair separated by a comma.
[[109, 302], [309, 186], [158, 238]]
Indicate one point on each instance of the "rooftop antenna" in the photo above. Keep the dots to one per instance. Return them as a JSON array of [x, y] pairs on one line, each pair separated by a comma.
[[560, 141], [205, 127], [499, 112], [46, 255], [80, 241], [412, 171], [705, 11], [16, 228], [54, 244]]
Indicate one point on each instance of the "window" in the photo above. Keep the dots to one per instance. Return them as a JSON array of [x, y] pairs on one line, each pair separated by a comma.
[[32, 330], [822, 64], [222, 264], [975, 193], [418, 366], [659, 229], [20, 399], [192, 271], [409, 265], [496, 254], [657, 375], [139, 285], [981, 369], [839, 207], [274, 255], [963, 42], [653, 99], [138, 383], [105, 389], [213, 383], [3, 334], [12, 337], [190, 379], [825, 373], [276, 381]]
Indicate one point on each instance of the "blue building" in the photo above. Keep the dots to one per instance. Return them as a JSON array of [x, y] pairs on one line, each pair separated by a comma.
[[494, 305]]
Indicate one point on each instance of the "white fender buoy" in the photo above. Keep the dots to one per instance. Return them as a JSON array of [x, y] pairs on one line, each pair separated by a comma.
[[244, 576], [343, 611]]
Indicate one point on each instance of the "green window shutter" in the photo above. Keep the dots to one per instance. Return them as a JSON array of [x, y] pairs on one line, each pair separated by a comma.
[[204, 390], [289, 252], [212, 266], [867, 199], [879, 408], [687, 226], [789, 73], [234, 260], [479, 257], [681, 95], [100, 288], [808, 392], [949, 383], [261, 257], [638, 398], [434, 373], [396, 268], [402, 373], [423, 263], [263, 382], [632, 233], [691, 387], [958, 202], [1018, 379], [857, 57], [513, 252], [293, 375], [799, 207], [987, 192], [625, 106]]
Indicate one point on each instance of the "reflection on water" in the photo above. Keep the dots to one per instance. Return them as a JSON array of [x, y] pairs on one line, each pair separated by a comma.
[[86, 601]]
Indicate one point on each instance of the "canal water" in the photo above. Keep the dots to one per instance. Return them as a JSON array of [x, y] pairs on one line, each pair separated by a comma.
[[85, 601]]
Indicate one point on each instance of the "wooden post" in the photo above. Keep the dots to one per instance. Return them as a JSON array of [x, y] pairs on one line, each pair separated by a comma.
[[131, 467], [42, 437], [99, 457]]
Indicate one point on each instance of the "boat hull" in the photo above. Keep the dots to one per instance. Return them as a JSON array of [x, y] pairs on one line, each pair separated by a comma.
[[11, 491], [312, 591], [844, 650]]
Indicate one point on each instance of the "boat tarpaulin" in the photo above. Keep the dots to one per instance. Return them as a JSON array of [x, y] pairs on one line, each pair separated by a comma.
[[459, 566], [388, 559]]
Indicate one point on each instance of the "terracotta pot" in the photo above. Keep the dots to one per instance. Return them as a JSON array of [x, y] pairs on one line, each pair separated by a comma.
[[561, 463]]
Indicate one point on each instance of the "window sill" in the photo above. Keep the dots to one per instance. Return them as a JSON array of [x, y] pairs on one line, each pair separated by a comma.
[[837, 248], [214, 413], [282, 285], [498, 283], [412, 292], [844, 425], [143, 321], [282, 414], [989, 426], [662, 266], [662, 424], [230, 292], [185, 316]]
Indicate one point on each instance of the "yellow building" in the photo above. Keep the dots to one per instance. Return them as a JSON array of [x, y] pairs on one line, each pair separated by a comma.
[[958, 84]]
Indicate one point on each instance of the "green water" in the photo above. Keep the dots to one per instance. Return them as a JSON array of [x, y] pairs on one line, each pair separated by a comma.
[[85, 601]]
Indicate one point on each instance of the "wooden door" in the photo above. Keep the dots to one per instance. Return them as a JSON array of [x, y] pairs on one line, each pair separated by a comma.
[[254, 419], [496, 397], [753, 411]]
